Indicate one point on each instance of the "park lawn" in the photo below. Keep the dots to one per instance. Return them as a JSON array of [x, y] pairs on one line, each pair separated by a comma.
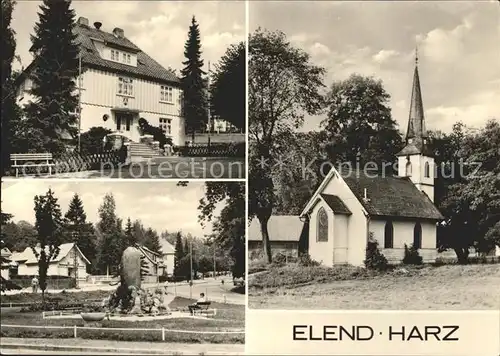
[[450, 287], [229, 317]]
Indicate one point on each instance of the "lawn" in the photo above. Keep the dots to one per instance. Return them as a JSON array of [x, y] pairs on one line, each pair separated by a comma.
[[229, 317], [449, 287]]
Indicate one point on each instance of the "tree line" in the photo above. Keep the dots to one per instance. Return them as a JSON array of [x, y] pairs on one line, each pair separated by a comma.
[[285, 86], [102, 243]]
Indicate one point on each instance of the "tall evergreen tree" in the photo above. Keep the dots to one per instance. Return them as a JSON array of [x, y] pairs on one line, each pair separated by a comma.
[[80, 231], [179, 254], [152, 240], [10, 110], [130, 237], [55, 51], [49, 224], [109, 255], [193, 85]]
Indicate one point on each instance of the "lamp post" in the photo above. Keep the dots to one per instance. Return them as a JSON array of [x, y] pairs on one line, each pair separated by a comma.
[[79, 99], [191, 263], [215, 269], [75, 260], [208, 94]]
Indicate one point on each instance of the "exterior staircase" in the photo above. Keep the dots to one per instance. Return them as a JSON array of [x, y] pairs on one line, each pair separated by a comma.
[[141, 151]]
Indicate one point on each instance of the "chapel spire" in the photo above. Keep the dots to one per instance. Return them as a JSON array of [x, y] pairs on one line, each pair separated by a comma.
[[416, 121]]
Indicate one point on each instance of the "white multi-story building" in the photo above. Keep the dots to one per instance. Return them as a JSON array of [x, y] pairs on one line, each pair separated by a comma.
[[120, 84]]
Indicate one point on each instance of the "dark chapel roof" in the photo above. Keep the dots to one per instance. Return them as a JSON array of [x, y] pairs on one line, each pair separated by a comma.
[[391, 196]]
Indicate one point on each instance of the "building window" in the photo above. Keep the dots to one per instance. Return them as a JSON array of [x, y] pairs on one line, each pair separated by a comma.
[[322, 234], [128, 58], [124, 57], [125, 86], [417, 236], [389, 235], [166, 94], [427, 172], [408, 168], [166, 125]]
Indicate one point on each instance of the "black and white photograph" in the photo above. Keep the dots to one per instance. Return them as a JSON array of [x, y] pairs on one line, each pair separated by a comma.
[[374, 155], [130, 267], [123, 89]]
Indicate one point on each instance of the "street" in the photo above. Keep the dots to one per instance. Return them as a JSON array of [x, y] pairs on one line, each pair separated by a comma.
[[213, 289]]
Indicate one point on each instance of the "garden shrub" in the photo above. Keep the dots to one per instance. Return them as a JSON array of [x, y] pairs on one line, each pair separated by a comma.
[[158, 134], [279, 259], [411, 256], [374, 258], [306, 260]]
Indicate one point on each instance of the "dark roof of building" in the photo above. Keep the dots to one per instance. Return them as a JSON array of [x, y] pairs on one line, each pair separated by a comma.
[[391, 196], [336, 204], [286, 228], [146, 67]]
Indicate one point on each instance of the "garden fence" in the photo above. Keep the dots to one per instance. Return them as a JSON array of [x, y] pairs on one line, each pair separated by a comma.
[[163, 331], [212, 150]]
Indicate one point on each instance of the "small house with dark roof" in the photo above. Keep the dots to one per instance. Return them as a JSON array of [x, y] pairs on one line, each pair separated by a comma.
[[119, 84], [287, 235], [352, 206]]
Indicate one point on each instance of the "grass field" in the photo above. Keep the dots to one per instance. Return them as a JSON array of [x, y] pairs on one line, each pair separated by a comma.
[[229, 317], [450, 287]]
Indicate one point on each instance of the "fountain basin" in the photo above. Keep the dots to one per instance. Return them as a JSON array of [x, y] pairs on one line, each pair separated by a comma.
[[93, 316]]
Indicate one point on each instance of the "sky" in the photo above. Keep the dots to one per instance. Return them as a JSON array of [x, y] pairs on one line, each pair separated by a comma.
[[159, 205], [159, 28], [458, 45]]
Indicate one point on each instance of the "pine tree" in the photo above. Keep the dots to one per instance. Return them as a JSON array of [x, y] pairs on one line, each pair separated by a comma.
[[131, 239], [194, 86], [80, 231], [179, 255], [49, 223], [10, 110], [56, 68], [109, 227], [152, 240]]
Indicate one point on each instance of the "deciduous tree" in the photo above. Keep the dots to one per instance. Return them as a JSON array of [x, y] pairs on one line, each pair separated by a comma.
[[228, 86], [49, 226], [283, 86], [359, 125]]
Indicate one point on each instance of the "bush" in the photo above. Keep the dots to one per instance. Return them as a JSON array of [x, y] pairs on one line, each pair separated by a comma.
[[256, 255], [305, 260], [412, 257], [158, 134], [279, 259], [374, 258]]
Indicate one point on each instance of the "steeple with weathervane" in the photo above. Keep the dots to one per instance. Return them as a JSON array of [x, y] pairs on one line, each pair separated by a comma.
[[415, 160]]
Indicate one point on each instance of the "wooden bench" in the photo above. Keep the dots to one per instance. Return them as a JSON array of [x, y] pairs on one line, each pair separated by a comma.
[[204, 309], [28, 160]]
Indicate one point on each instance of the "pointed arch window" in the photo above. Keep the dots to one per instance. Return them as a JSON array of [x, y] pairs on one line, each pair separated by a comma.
[[408, 167], [417, 236], [427, 172], [389, 235], [322, 233]]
